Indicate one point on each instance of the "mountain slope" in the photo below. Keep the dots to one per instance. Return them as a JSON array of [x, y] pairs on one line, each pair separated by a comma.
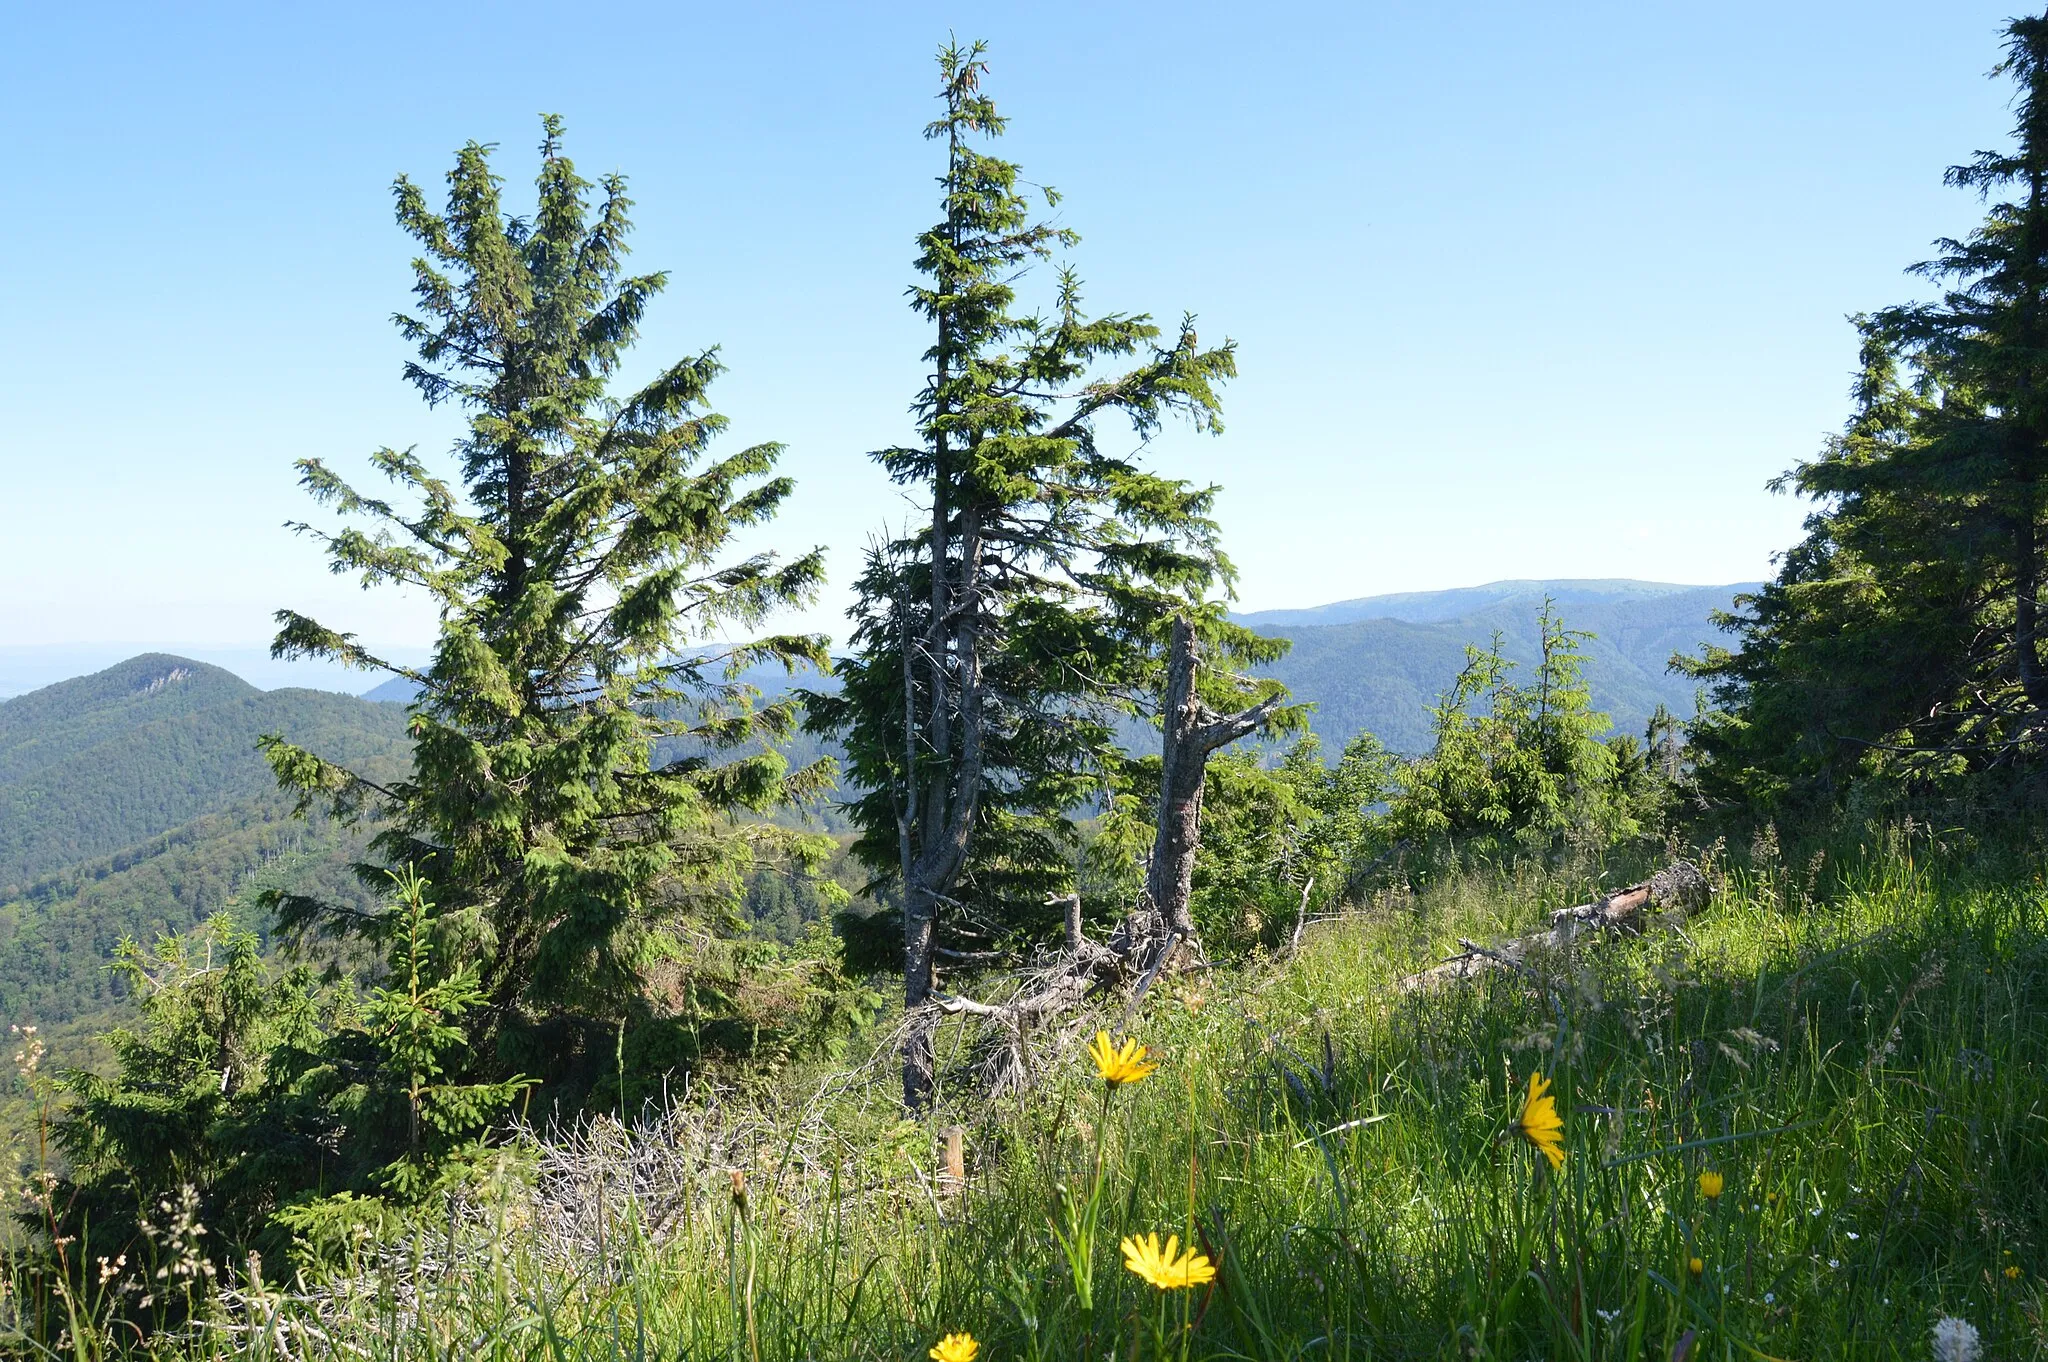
[[133, 802], [57, 935], [1435, 607], [1377, 664], [91, 766], [44, 727]]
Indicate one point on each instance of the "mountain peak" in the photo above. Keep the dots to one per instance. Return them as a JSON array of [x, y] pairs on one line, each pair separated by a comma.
[[153, 672], [147, 677]]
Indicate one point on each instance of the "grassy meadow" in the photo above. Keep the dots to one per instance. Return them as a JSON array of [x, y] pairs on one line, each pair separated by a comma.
[[1855, 1045]]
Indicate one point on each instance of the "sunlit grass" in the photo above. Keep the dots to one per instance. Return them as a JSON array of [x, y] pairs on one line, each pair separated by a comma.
[[1810, 1123]]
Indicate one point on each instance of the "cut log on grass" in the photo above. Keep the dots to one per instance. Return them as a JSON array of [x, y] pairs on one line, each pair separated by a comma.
[[1679, 888]]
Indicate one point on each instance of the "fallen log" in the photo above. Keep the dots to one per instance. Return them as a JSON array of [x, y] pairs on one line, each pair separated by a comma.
[[1679, 888]]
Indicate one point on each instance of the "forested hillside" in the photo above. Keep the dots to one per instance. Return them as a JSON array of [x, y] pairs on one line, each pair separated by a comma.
[[133, 803], [93, 766], [58, 935], [1377, 664]]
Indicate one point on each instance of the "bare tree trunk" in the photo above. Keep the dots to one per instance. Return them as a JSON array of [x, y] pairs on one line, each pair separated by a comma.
[[952, 801], [1191, 731], [925, 818], [920, 1053], [1146, 940]]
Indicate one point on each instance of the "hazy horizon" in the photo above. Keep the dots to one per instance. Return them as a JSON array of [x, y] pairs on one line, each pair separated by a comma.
[[29, 667]]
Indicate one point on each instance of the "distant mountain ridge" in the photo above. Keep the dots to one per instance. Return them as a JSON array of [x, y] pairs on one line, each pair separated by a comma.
[[1377, 663], [396, 690], [133, 802], [27, 667], [1435, 607], [99, 763]]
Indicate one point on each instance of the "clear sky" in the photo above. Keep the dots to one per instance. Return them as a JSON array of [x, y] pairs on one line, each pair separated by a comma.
[[1521, 290]]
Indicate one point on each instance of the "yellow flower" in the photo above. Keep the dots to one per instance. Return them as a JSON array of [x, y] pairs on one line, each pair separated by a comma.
[[1695, 1267], [1119, 1067], [2012, 1272], [956, 1348], [1168, 1269], [1711, 1184], [1539, 1122]]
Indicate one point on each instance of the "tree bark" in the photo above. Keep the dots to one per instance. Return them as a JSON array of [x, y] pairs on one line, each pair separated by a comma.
[[1190, 732]]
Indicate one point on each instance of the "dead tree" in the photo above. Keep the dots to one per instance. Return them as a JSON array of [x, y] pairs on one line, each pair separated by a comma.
[[1144, 943], [1190, 732]]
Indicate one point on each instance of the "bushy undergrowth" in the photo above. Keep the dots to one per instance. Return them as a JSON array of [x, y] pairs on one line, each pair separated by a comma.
[[1857, 1049]]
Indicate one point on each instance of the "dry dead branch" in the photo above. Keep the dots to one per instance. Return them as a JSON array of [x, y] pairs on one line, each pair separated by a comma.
[[1678, 888]]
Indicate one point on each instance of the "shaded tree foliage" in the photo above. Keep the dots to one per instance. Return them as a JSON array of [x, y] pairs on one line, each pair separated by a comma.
[[1898, 649], [274, 1103]]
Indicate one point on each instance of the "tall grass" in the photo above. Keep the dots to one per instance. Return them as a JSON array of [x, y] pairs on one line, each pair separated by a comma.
[[1858, 1047]]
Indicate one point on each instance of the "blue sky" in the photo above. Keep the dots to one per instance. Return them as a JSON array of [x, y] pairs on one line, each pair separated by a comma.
[[1520, 290]]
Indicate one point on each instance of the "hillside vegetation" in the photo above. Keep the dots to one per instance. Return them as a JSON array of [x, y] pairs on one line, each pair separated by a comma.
[[134, 804], [58, 934], [93, 766], [1785, 1096], [1376, 665], [1848, 1053]]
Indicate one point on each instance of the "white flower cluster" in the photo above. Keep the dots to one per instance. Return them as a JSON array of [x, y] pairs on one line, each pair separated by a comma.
[[1955, 1340]]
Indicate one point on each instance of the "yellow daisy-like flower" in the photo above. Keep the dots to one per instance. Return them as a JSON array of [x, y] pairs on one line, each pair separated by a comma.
[[2012, 1272], [1711, 1184], [1696, 1267], [1539, 1122], [1119, 1067], [956, 1348], [1168, 1269]]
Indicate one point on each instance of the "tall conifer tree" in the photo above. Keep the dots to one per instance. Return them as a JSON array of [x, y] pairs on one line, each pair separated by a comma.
[[1902, 635], [1986, 340], [579, 755], [998, 644]]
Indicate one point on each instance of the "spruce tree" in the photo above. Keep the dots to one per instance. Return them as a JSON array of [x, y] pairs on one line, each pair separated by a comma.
[[412, 1038], [199, 1105], [1515, 769], [1901, 638], [585, 761], [1986, 340], [998, 644], [1882, 646]]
